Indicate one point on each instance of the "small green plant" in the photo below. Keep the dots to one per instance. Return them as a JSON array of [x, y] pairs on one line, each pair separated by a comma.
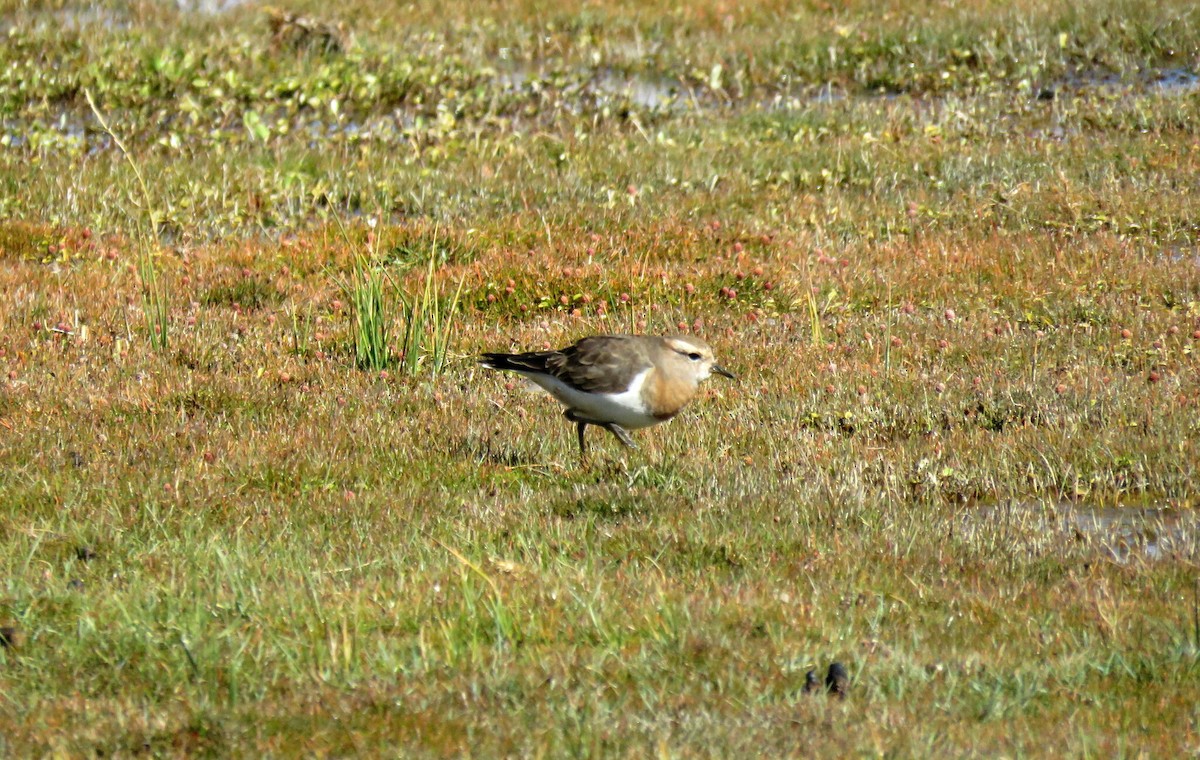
[[156, 305], [368, 308], [370, 316], [429, 320], [814, 313], [887, 334], [301, 332], [428, 323]]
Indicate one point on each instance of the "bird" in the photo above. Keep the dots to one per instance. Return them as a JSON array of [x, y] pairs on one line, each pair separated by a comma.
[[837, 681], [617, 382], [811, 682]]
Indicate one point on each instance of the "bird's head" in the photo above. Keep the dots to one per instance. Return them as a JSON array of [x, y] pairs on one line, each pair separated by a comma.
[[695, 358]]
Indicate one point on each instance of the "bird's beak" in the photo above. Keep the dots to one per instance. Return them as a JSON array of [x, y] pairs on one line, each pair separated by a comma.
[[723, 372]]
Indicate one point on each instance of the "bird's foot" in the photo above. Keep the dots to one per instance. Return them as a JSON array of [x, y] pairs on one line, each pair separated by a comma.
[[621, 433]]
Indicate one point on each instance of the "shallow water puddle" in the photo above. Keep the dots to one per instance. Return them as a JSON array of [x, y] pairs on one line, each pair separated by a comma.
[[640, 90], [1176, 82], [644, 91], [210, 6], [1122, 533], [1163, 82]]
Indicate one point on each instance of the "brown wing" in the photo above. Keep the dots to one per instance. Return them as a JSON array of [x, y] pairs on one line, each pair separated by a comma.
[[601, 363]]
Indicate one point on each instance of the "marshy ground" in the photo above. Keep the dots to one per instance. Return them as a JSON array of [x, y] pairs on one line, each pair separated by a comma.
[[256, 497]]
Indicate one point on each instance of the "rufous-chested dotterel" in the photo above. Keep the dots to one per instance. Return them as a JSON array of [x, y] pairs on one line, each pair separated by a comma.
[[617, 382]]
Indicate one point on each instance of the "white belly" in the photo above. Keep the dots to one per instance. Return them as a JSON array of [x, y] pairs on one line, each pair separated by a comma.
[[625, 408]]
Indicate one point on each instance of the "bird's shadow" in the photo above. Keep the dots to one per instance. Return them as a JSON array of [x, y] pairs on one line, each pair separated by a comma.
[[632, 467], [484, 451]]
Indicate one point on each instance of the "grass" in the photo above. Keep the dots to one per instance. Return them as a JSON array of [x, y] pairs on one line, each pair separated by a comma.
[[951, 256], [370, 317], [429, 323], [155, 302]]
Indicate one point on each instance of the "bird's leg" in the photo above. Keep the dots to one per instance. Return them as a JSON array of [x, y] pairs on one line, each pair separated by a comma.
[[580, 425], [621, 434], [582, 422]]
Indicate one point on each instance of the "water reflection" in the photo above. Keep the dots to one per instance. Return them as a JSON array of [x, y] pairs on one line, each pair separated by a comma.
[[1120, 532]]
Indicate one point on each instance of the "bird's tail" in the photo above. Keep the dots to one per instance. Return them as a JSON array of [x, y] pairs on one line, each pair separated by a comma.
[[494, 361], [534, 361]]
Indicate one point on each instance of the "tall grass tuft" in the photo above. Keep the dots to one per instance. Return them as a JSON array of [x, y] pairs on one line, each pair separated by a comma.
[[816, 337], [156, 304], [429, 321], [301, 332], [429, 324], [370, 316]]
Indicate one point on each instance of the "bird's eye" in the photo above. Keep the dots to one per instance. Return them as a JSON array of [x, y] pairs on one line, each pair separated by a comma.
[[695, 356]]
